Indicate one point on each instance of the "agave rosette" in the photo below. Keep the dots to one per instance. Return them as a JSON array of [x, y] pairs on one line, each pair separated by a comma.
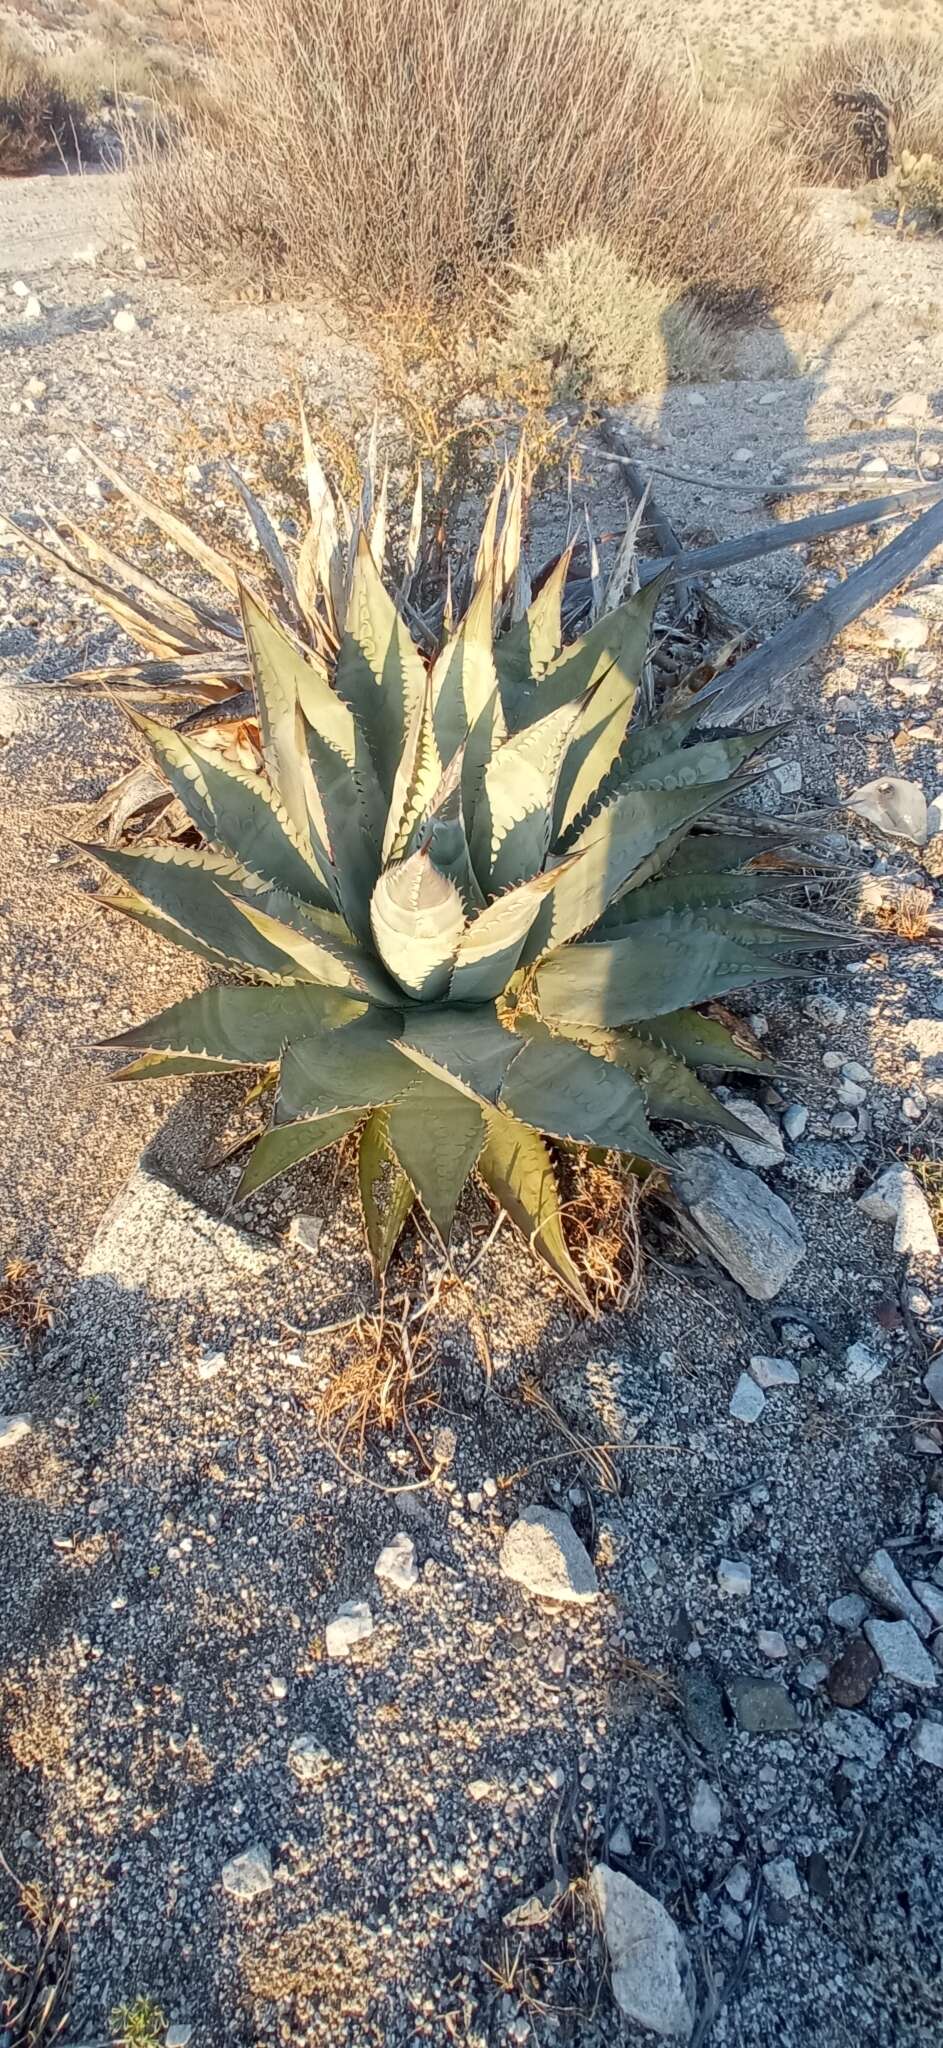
[[472, 898]]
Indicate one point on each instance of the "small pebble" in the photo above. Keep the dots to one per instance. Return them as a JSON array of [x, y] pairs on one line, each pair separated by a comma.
[[927, 1743], [734, 1576], [124, 321], [747, 1401], [772, 1643], [705, 1810]]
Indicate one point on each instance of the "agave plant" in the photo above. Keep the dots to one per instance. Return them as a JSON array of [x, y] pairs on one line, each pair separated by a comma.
[[472, 898]]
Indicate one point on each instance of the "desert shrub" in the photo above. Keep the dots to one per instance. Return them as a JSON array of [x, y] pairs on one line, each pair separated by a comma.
[[903, 71], [917, 189], [407, 153], [40, 122], [605, 330]]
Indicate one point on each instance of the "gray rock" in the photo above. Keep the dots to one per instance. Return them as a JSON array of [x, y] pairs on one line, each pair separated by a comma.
[[900, 1653], [881, 1578], [927, 1743], [902, 630], [308, 1759], [823, 1167], [773, 1372], [795, 1121], [783, 1879], [705, 1810], [353, 1623], [851, 1094], [812, 1674], [933, 1381], [895, 807], [13, 1430], [848, 1611], [762, 1706], [305, 1232], [856, 1737], [747, 1401], [124, 321], [702, 1711], [930, 1596], [749, 1229], [248, 1875], [863, 1365], [767, 1148], [543, 1553], [897, 1197], [396, 1565], [772, 1643], [823, 1009], [179, 2035], [652, 1979], [734, 1576], [737, 1883]]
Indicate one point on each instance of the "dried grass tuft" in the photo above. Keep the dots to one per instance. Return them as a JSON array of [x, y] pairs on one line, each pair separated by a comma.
[[603, 1231], [41, 121], [904, 71], [404, 155], [23, 1302]]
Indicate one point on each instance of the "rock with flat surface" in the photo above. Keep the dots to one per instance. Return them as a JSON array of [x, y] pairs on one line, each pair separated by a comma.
[[13, 1430], [543, 1553], [853, 1675], [773, 1372], [881, 1578], [893, 806], [901, 1653], [249, 1875], [652, 1978], [927, 1743], [766, 1148], [897, 1197], [747, 1401], [933, 1381], [309, 1760], [855, 1737], [353, 1623], [396, 1565], [749, 1229], [761, 1706]]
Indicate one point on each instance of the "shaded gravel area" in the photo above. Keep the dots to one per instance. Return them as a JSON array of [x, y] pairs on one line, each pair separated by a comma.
[[178, 1534]]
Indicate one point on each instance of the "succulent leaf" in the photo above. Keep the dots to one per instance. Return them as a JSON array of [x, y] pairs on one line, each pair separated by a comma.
[[286, 1145], [515, 1164], [616, 846], [417, 779], [491, 945], [464, 677], [387, 1194], [436, 1133], [559, 1087], [663, 964], [185, 888], [523, 654], [417, 918], [318, 954], [355, 1066], [472, 1051], [703, 1041], [243, 1027], [672, 1092], [380, 673]]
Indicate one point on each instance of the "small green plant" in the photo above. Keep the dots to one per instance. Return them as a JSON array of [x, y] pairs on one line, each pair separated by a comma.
[[602, 328], [473, 896], [917, 191], [141, 2024]]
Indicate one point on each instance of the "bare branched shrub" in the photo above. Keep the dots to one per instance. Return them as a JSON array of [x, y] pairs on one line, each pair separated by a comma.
[[605, 330], [904, 72], [40, 122], [407, 153]]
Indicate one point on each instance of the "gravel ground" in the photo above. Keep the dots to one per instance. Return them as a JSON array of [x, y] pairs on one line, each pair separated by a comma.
[[179, 1534]]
